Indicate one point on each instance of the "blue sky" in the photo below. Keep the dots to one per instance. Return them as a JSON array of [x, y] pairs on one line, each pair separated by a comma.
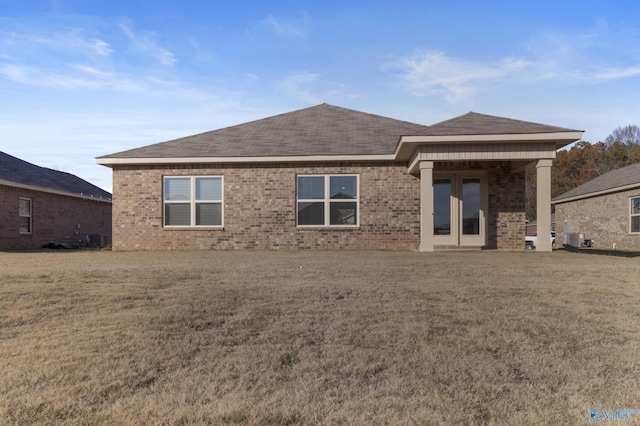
[[84, 78]]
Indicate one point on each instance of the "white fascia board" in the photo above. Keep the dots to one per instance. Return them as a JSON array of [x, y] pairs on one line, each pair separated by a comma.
[[52, 191], [597, 193], [106, 161]]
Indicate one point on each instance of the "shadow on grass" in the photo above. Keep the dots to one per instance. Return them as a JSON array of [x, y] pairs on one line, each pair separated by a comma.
[[601, 252]]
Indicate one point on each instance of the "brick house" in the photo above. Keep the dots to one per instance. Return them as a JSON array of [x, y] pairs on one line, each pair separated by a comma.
[[40, 206], [606, 210], [327, 177]]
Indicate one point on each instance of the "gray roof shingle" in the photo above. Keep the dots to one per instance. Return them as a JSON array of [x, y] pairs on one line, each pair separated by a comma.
[[323, 130], [320, 130], [18, 171], [608, 182], [473, 123]]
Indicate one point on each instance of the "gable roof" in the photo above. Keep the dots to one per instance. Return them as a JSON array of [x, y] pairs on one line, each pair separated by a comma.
[[316, 131], [17, 172], [616, 180], [473, 123]]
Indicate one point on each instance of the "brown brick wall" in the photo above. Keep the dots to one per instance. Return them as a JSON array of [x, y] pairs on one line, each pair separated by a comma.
[[603, 219], [260, 209], [55, 218]]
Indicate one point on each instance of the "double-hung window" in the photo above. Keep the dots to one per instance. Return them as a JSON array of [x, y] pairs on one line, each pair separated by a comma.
[[327, 200], [191, 201], [634, 217], [25, 215]]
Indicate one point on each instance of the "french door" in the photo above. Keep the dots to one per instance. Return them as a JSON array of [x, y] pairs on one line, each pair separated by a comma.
[[459, 209]]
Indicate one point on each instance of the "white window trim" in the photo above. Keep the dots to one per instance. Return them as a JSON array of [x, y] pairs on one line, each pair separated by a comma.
[[192, 201], [327, 200], [30, 215], [632, 215]]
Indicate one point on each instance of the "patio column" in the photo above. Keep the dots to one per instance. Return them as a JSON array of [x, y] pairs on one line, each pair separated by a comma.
[[543, 197], [426, 206]]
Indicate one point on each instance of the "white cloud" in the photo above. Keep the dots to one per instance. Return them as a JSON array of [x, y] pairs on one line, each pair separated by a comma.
[[69, 40], [433, 72], [598, 54], [298, 84], [143, 43], [617, 73], [286, 27], [310, 88]]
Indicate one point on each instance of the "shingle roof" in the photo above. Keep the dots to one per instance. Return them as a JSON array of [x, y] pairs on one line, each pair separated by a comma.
[[320, 130], [473, 123], [609, 182], [18, 171]]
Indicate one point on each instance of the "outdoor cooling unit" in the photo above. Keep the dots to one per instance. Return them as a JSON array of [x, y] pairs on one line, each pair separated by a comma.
[[574, 239]]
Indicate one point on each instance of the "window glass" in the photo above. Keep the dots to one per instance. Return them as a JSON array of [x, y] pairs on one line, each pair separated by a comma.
[[635, 214], [336, 207], [25, 225], [177, 189], [442, 207], [343, 187], [471, 206], [193, 201], [25, 207], [177, 214], [343, 213], [209, 188], [209, 214], [310, 187], [311, 213], [25, 216]]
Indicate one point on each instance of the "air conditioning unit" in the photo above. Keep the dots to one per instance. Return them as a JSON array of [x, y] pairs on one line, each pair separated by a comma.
[[574, 239]]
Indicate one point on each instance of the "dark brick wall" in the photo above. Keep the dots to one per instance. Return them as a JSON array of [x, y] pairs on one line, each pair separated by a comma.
[[55, 218]]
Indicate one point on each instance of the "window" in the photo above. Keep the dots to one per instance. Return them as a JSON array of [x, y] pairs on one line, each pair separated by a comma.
[[193, 201], [25, 215], [635, 214], [327, 200]]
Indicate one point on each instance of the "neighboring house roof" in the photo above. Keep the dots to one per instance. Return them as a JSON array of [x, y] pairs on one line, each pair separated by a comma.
[[535, 222], [327, 132], [613, 181], [17, 172], [319, 130], [473, 123]]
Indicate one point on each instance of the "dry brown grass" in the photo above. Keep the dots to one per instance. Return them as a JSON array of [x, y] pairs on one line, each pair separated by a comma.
[[278, 338]]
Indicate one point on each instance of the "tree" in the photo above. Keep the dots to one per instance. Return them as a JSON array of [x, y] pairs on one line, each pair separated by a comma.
[[623, 146], [585, 161]]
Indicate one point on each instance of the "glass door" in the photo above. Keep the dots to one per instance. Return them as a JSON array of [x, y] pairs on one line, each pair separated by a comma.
[[472, 216], [459, 209], [443, 211]]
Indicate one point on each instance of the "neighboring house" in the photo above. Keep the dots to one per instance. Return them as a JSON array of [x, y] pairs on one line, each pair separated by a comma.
[[605, 210], [40, 206], [327, 177], [532, 227]]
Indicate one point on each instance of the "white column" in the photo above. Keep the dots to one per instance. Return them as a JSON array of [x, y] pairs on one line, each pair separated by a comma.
[[543, 197], [426, 206]]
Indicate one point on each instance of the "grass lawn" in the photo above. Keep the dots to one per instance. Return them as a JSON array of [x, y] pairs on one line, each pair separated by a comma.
[[314, 337]]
